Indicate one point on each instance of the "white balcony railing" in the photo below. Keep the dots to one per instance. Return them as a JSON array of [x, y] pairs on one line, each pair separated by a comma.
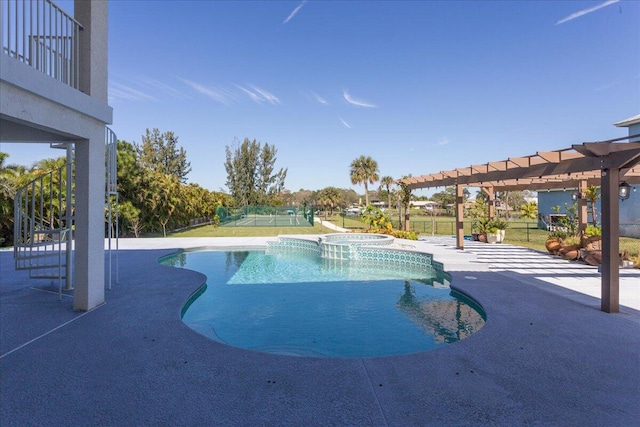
[[40, 34]]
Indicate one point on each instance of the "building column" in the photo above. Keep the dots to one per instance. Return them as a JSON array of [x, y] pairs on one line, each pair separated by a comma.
[[89, 222], [93, 47], [459, 216], [610, 286]]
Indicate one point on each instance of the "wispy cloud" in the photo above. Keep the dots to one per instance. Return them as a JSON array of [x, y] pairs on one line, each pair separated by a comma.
[[254, 96], [215, 94], [442, 141], [152, 83], [356, 102], [268, 96], [586, 11], [259, 95], [294, 12], [347, 125], [320, 99], [313, 96], [605, 86], [119, 91]]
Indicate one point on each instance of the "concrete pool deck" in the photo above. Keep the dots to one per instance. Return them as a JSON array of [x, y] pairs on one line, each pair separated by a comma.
[[546, 356]]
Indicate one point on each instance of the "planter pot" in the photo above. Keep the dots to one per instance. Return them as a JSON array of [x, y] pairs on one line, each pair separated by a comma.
[[592, 242], [570, 253], [501, 234], [592, 257], [482, 237], [475, 237], [493, 238], [553, 245]]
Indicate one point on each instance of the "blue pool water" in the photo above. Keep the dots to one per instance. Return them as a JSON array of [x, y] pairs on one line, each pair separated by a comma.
[[304, 305]]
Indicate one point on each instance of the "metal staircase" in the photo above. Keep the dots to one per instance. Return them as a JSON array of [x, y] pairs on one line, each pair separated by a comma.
[[44, 216], [43, 223]]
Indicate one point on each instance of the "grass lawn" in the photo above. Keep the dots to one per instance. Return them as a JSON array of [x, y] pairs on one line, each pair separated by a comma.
[[519, 233], [210, 231]]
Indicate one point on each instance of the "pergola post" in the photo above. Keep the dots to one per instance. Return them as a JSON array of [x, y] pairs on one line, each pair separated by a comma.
[[610, 288], [582, 206], [492, 207], [459, 216]]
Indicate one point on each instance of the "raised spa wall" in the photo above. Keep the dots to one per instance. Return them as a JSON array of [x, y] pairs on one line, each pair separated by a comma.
[[357, 246]]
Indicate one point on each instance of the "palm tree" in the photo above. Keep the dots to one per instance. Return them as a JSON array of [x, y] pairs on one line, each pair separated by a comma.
[[386, 182], [529, 210], [364, 170], [592, 194]]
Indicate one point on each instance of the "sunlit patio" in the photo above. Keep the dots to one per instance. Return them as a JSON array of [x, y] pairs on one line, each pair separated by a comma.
[[547, 354]]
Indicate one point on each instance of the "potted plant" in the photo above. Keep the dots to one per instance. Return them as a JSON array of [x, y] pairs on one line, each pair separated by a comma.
[[554, 241], [570, 249], [482, 227], [591, 237], [493, 235], [501, 225]]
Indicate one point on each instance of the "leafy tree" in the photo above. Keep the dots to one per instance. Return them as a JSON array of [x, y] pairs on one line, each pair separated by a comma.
[[330, 198], [446, 197], [131, 217], [349, 197], [160, 153], [130, 172], [165, 198], [364, 170], [250, 173], [512, 199], [386, 182]]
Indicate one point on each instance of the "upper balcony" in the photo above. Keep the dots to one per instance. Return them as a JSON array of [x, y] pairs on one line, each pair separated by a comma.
[[40, 34], [53, 70]]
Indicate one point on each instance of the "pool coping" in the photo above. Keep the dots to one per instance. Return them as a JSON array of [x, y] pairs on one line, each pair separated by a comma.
[[540, 359]]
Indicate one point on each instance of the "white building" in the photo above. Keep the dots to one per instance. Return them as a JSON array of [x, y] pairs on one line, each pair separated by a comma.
[[53, 88]]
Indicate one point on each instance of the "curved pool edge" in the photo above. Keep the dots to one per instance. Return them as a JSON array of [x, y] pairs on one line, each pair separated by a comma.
[[404, 246]]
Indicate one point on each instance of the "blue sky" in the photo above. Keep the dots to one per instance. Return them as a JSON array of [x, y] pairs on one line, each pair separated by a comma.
[[420, 86]]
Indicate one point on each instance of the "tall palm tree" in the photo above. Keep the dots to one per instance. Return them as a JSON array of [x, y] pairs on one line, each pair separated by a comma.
[[386, 182], [364, 170]]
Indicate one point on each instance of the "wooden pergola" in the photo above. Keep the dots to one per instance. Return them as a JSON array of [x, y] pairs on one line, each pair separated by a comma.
[[605, 164]]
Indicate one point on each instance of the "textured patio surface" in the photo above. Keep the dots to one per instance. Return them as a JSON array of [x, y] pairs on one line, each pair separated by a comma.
[[546, 356]]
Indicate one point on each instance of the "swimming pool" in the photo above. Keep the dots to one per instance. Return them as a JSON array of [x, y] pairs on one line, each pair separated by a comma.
[[298, 303]]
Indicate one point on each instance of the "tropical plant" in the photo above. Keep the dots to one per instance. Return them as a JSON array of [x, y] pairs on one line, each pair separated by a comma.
[[592, 230], [9, 181], [376, 218], [592, 194], [529, 210], [364, 170], [498, 224]]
